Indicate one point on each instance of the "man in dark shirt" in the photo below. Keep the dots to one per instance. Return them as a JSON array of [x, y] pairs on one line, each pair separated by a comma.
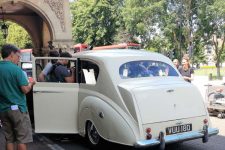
[[60, 72]]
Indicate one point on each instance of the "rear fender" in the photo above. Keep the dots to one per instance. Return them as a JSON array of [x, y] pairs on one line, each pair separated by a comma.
[[110, 124]]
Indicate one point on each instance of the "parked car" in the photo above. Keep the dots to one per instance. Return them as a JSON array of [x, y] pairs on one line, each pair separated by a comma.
[[130, 97]]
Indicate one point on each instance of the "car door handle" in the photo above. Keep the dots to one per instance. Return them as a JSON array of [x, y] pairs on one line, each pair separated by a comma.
[[47, 92], [36, 91], [170, 91]]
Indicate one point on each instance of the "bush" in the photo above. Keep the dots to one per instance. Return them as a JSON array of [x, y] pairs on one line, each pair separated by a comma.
[[208, 67], [206, 70], [214, 77]]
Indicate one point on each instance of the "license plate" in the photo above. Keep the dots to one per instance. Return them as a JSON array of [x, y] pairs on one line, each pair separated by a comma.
[[178, 129]]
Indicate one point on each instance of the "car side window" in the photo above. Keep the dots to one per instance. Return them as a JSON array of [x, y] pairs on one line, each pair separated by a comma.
[[89, 72]]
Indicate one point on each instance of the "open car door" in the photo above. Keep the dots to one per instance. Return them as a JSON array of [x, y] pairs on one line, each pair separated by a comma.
[[55, 104]]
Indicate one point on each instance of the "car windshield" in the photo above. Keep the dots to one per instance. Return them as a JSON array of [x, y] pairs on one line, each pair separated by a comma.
[[146, 68]]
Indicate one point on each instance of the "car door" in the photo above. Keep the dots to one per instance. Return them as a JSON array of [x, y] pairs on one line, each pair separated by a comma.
[[55, 104]]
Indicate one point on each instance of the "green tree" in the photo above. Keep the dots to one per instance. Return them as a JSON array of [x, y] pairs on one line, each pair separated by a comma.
[[163, 25], [199, 52], [180, 26], [95, 21], [18, 36], [142, 19], [185, 26], [213, 28], [2, 40]]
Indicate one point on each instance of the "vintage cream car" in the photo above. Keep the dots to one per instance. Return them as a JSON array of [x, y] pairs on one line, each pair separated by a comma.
[[130, 97]]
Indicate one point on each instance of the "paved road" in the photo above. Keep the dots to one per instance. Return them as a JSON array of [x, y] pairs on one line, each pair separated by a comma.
[[201, 81], [215, 143], [49, 142]]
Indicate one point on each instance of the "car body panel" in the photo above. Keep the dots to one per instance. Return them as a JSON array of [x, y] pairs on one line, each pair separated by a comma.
[[197, 124], [55, 107], [110, 122], [174, 101]]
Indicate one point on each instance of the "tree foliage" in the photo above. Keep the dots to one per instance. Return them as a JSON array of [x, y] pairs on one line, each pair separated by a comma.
[[95, 21], [186, 26], [18, 36], [182, 26], [212, 23], [143, 19]]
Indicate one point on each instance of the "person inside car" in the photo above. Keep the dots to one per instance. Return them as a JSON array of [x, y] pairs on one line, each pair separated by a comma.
[[43, 76], [60, 71]]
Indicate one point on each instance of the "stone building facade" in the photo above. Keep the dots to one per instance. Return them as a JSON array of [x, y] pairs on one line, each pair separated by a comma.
[[44, 20]]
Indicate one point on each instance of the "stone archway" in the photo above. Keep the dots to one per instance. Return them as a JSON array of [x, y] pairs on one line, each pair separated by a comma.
[[44, 20]]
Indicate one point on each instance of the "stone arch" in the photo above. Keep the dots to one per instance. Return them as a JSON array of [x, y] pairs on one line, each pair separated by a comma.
[[35, 43], [44, 20], [41, 13]]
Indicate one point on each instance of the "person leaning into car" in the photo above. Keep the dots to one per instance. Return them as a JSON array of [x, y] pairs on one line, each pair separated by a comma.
[[60, 72], [44, 74], [13, 109]]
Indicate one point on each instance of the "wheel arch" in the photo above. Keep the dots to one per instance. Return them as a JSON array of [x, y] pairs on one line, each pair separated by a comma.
[[111, 124]]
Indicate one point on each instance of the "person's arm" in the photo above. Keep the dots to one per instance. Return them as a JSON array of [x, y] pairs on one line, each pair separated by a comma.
[[71, 78], [41, 77], [45, 72], [23, 83], [27, 88], [188, 78]]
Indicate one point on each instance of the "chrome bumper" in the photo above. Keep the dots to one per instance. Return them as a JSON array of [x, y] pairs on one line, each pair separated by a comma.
[[177, 138]]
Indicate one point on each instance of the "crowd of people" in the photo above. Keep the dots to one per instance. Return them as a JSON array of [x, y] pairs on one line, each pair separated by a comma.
[[185, 68]]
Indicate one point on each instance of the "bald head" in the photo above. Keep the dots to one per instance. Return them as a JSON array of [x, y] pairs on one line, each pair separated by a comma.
[[176, 62]]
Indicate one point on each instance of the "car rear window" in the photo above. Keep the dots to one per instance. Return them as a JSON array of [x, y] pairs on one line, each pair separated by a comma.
[[146, 68]]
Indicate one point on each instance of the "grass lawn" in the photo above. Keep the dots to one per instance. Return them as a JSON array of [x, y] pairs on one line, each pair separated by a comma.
[[207, 71]]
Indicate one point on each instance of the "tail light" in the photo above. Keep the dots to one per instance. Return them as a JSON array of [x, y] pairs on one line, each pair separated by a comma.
[[148, 133]]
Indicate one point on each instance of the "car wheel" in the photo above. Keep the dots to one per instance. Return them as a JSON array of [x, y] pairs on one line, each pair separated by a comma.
[[92, 135]]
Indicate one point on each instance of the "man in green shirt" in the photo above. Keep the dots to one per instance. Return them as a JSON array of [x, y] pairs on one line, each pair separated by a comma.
[[13, 108]]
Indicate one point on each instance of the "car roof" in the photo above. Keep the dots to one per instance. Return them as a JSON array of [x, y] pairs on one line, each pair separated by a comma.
[[121, 54]]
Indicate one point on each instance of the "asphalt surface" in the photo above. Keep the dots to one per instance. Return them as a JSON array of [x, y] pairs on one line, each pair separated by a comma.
[[75, 142]]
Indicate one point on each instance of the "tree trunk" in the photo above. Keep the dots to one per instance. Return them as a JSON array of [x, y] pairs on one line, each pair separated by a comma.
[[218, 70]]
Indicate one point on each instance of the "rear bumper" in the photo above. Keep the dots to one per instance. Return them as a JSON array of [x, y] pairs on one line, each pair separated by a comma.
[[176, 138]]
